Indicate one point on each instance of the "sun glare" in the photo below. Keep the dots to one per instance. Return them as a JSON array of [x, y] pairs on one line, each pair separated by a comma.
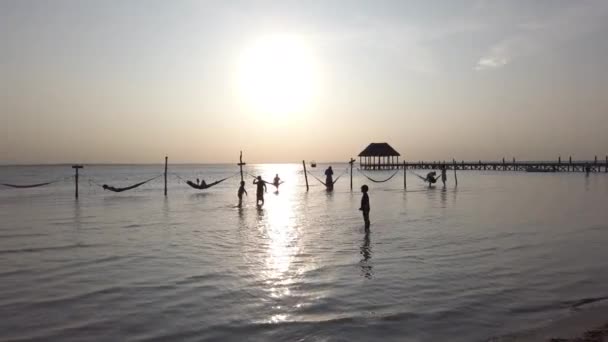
[[277, 76]]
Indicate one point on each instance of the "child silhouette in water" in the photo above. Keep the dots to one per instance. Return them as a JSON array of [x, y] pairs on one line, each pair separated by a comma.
[[365, 208], [241, 192]]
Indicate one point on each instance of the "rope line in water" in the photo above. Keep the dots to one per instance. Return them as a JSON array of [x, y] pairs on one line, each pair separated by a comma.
[[378, 181]]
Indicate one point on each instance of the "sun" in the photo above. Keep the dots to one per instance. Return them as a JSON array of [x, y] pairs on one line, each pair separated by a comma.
[[278, 76]]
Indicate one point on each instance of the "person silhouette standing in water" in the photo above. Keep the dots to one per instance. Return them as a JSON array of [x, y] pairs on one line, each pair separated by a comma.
[[444, 177], [277, 181], [259, 194], [241, 192], [329, 179], [365, 208]]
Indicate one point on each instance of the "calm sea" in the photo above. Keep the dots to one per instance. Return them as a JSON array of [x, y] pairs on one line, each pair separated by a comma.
[[502, 252]]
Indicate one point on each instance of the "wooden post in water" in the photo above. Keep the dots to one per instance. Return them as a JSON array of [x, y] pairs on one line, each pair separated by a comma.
[[404, 175], [305, 175], [570, 163], [166, 161], [351, 162], [455, 177], [76, 167], [241, 164], [606, 166]]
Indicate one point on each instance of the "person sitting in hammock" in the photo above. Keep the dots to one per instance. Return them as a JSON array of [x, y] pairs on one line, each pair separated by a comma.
[[329, 181], [431, 178], [261, 188], [277, 181]]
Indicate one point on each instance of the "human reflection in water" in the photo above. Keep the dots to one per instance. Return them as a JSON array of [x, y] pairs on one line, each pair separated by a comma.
[[366, 252]]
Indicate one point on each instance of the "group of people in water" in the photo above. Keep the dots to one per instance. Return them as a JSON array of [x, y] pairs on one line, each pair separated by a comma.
[[329, 183], [260, 189]]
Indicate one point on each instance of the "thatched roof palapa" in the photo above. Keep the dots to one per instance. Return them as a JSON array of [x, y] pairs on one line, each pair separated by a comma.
[[379, 150]]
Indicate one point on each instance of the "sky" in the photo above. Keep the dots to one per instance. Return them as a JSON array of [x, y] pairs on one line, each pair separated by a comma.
[[132, 81]]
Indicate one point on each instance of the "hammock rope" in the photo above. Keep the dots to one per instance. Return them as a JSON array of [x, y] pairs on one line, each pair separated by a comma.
[[419, 176], [267, 182], [131, 187], [28, 186], [322, 182], [378, 181], [207, 185]]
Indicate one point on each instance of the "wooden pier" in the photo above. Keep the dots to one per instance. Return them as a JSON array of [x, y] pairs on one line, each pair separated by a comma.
[[512, 165]]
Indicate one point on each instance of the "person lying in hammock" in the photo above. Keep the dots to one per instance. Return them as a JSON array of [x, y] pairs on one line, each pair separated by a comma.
[[202, 184]]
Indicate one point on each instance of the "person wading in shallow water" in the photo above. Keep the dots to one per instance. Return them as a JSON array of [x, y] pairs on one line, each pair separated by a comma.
[[444, 177], [241, 192], [329, 179], [365, 208], [259, 194], [277, 181]]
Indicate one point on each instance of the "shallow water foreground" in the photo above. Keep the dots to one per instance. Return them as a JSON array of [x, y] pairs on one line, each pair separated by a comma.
[[502, 253]]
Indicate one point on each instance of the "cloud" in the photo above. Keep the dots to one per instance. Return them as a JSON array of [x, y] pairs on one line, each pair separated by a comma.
[[531, 36]]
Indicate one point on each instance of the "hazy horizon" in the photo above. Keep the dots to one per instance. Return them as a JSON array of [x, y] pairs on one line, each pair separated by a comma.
[[128, 82]]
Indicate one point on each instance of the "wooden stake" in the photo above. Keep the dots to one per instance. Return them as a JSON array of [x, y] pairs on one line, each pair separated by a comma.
[[241, 164], [166, 161], [76, 167], [456, 177], [305, 175], [351, 162], [404, 175]]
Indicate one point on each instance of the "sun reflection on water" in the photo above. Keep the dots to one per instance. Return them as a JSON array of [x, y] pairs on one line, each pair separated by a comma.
[[280, 228]]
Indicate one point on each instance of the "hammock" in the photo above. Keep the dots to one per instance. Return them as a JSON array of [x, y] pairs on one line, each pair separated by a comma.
[[206, 185], [424, 179], [115, 189], [378, 181], [26, 186], [322, 182]]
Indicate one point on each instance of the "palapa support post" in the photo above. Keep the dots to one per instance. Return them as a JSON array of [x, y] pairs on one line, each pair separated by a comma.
[[456, 177], [241, 164], [76, 167], [606, 166], [351, 162], [305, 175], [166, 162]]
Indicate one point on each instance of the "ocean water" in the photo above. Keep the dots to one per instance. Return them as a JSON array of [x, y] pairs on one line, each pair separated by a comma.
[[500, 253]]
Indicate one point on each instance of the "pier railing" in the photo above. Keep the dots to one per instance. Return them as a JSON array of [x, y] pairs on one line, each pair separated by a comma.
[[504, 165]]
